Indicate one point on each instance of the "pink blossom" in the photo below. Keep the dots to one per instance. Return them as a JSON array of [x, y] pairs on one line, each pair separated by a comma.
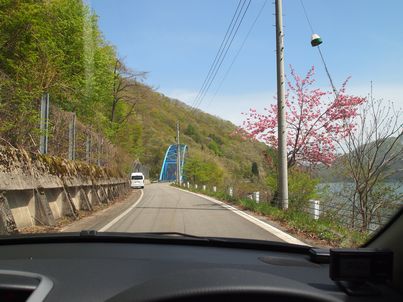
[[314, 123]]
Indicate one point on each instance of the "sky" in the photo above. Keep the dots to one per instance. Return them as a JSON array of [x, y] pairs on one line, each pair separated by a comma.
[[175, 41]]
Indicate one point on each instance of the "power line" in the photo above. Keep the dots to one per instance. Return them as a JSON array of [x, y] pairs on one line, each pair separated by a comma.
[[306, 16], [320, 52], [238, 52], [230, 28], [328, 73], [222, 57]]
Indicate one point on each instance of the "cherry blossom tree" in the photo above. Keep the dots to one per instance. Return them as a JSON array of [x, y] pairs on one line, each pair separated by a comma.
[[316, 120]]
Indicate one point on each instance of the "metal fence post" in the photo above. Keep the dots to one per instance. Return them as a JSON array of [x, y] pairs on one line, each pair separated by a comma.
[[72, 138], [98, 159], [100, 151], [88, 148], [44, 124]]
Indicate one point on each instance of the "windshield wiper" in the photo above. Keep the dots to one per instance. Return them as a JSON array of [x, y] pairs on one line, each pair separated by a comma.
[[179, 234], [213, 241], [93, 233], [89, 236]]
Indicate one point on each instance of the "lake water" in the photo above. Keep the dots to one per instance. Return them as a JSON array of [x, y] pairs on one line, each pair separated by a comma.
[[337, 202], [336, 187]]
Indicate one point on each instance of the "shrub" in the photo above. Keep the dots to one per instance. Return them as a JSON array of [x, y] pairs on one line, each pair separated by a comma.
[[213, 146], [301, 187]]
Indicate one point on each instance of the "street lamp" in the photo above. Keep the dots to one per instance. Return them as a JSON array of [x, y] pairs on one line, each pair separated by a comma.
[[316, 40]]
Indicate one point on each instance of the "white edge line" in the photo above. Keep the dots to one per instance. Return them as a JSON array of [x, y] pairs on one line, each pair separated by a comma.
[[269, 228], [111, 223]]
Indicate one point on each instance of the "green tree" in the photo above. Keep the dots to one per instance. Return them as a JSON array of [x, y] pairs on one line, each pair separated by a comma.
[[190, 130], [55, 47], [203, 172], [216, 138], [213, 146], [193, 133]]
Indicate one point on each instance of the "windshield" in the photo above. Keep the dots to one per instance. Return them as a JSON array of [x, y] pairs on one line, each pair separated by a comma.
[[246, 121]]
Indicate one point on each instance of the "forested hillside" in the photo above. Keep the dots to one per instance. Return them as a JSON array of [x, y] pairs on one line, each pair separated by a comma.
[[53, 47], [56, 47], [210, 139]]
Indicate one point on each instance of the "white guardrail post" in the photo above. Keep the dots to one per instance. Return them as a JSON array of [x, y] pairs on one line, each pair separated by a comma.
[[204, 187], [231, 191], [214, 189], [256, 196], [314, 208]]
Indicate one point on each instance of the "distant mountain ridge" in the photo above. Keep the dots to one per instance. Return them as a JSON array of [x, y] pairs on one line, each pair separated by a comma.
[[394, 170]]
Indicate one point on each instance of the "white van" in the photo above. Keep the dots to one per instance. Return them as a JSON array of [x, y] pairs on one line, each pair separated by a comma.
[[137, 180]]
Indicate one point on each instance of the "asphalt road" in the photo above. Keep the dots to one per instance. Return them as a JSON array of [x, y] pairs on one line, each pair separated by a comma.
[[167, 209]]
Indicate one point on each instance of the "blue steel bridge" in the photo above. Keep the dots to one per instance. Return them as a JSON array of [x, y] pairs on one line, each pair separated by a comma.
[[168, 169]]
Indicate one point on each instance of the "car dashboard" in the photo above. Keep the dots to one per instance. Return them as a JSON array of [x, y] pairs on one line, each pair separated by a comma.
[[170, 271]]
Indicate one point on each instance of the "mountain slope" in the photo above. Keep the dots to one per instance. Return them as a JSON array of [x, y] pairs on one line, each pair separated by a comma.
[[208, 137], [393, 171], [69, 61]]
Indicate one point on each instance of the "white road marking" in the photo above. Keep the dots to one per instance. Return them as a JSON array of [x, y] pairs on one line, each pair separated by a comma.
[[110, 224], [269, 228]]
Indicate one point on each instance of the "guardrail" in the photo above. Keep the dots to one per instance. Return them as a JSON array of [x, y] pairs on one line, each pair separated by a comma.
[[345, 215]]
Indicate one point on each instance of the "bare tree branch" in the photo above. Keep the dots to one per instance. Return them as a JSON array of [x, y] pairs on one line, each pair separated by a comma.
[[124, 79], [369, 152]]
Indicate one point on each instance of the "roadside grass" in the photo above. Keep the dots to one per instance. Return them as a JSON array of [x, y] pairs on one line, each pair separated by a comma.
[[325, 228]]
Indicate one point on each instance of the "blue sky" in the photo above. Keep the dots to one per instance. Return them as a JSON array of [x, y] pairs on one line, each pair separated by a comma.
[[176, 41]]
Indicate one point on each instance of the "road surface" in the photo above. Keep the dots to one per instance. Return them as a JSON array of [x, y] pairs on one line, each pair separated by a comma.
[[167, 209], [163, 208]]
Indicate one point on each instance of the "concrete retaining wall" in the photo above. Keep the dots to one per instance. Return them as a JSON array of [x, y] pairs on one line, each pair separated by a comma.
[[27, 202]]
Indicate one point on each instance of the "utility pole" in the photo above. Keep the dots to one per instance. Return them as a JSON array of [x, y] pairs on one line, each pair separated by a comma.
[[282, 127], [178, 156]]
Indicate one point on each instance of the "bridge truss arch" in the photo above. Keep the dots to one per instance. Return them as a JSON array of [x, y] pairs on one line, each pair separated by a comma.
[[168, 169]]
